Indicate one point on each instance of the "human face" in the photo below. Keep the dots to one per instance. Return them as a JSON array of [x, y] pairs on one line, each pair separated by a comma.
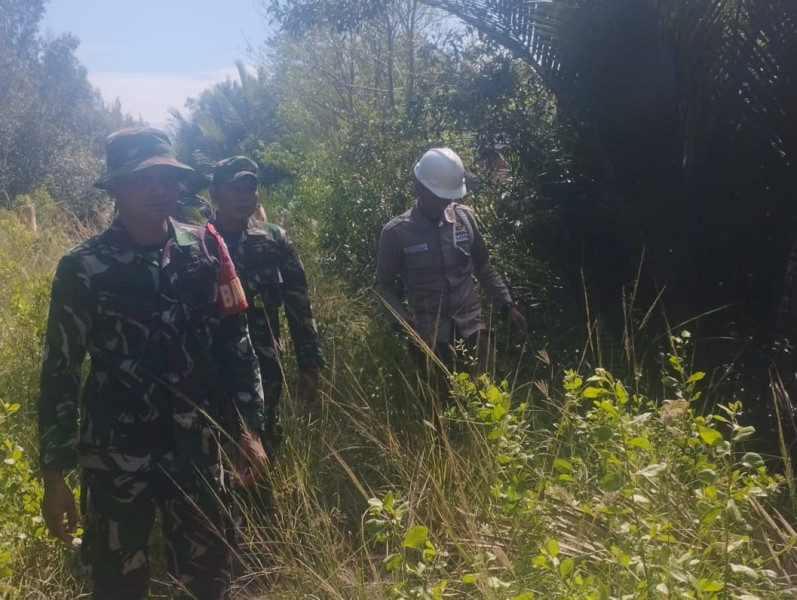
[[147, 196], [431, 206], [235, 201]]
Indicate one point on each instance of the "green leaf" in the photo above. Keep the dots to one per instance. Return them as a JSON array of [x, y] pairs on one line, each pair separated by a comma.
[[723, 448], [708, 517], [707, 476], [642, 443], [621, 393], [745, 570], [566, 567], [552, 547], [611, 481], [416, 536], [697, 376], [439, 589], [593, 392], [652, 471], [562, 465], [526, 596], [710, 436], [392, 561], [743, 433], [752, 461], [707, 585], [470, 578], [608, 408], [540, 561], [603, 433]]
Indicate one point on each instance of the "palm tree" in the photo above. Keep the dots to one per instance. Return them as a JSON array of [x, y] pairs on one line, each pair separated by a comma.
[[680, 121], [230, 118]]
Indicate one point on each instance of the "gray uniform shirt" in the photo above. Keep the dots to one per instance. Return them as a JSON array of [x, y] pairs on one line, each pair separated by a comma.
[[436, 261]]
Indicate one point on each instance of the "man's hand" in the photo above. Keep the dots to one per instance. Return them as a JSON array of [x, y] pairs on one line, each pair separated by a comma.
[[517, 322], [252, 461], [57, 502]]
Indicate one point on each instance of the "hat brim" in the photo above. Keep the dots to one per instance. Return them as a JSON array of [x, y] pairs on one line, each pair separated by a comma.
[[441, 192], [237, 177], [155, 161], [456, 194]]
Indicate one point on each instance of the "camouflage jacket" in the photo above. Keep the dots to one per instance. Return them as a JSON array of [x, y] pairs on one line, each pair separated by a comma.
[[167, 338], [436, 262], [272, 276]]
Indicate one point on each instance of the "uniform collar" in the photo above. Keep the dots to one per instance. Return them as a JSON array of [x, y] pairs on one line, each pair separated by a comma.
[[119, 238], [183, 236], [422, 223], [449, 215], [252, 228]]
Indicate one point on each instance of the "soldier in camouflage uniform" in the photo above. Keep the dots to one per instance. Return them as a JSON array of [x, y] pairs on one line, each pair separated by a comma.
[[272, 276], [160, 311]]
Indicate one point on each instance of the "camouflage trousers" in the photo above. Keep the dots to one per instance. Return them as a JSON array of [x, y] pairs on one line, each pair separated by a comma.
[[119, 512], [272, 376]]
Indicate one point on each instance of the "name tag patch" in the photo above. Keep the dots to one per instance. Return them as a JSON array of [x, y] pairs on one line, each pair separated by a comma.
[[232, 297], [461, 238], [417, 248]]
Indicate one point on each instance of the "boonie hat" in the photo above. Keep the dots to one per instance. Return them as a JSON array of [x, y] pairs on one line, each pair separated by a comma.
[[136, 148], [234, 168]]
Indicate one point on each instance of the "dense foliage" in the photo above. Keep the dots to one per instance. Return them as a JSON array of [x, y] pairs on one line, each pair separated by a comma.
[[671, 145], [632, 165], [52, 121]]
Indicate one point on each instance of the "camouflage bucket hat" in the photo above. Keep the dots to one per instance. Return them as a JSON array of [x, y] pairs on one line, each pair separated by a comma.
[[136, 148], [234, 168]]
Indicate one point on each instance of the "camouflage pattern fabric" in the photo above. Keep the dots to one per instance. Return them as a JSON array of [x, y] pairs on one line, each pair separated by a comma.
[[272, 276], [118, 514], [154, 324]]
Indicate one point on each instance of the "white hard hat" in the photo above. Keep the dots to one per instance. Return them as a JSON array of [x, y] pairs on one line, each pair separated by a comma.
[[441, 171]]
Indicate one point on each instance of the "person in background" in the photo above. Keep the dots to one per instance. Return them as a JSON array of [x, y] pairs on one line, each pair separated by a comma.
[[159, 309], [273, 278], [191, 207], [433, 250]]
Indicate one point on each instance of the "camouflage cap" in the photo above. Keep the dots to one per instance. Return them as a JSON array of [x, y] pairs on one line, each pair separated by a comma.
[[136, 148], [234, 168]]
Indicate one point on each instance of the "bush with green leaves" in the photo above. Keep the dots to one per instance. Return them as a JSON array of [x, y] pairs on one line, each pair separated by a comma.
[[625, 496], [27, 556]]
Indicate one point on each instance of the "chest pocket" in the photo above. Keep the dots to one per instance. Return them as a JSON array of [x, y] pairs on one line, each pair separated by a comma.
[[420, 264], [261, 274], [128, 307], [196, 286]]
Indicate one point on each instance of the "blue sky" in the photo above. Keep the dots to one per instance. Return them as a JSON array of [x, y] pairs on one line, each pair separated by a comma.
[[153, 54]]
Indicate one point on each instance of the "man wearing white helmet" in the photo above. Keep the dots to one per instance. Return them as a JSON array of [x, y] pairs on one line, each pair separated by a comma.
[[434, 249]]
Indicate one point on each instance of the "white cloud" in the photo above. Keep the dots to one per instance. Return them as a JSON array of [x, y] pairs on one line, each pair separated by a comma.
[[151, 95]]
